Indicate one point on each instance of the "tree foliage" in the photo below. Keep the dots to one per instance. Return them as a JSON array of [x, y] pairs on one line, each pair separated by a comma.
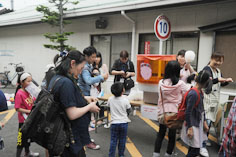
[[55, 17]]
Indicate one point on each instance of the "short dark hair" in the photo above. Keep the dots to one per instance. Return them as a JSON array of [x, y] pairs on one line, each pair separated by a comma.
[[124, 54], [65, 64], [89, 51], [172, 71], [217, 56], [117, 89], [181, 52]]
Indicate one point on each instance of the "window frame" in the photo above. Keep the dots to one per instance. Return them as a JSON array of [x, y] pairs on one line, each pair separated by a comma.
[[171, 41], [109, 34]]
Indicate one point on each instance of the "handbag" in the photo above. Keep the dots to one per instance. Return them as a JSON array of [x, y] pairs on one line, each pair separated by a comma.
[[170, 119], [128, 83]]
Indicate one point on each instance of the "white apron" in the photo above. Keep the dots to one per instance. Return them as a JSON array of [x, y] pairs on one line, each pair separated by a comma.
[[211, 101], [198, 135]]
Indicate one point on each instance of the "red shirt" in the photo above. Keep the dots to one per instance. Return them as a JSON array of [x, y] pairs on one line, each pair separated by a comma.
[[23, 100]]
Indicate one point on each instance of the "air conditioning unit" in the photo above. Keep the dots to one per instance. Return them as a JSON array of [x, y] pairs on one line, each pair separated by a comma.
[[101, 23]]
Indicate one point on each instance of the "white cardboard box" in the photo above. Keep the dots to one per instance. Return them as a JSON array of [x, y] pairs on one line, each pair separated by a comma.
[[149, 111], [150, 97]]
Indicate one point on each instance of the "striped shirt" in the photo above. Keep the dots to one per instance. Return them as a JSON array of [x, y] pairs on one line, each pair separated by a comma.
[[229, 138]]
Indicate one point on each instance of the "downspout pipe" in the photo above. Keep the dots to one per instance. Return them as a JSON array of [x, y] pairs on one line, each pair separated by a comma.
[[133, 34], [12, 5]]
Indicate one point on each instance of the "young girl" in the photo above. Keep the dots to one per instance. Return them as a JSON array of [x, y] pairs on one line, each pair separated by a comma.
[[194, 129], [23, 105], [172, 89], [95, 91]]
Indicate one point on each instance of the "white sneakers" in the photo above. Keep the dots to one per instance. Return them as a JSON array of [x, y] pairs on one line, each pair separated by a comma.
[[32, 154], [158, 155], [204, 152], [167, 155], [107, 126], [208, 143]]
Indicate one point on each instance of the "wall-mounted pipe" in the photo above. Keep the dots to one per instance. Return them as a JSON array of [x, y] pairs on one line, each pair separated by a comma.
[[133, 34]]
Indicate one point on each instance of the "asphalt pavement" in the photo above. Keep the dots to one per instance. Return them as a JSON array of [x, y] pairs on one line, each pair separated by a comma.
[[141, 137]]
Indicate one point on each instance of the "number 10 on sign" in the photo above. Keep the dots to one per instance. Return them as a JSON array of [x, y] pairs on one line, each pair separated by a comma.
[[162, 29]]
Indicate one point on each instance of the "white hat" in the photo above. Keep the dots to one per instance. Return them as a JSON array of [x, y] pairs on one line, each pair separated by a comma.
[[24, 76], [49, 66]]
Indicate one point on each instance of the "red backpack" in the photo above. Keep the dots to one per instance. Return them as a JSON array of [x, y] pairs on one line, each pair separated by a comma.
[[182, 106]]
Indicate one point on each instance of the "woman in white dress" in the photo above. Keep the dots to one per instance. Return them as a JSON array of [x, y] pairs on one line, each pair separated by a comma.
[[98, 64], [102, 67]]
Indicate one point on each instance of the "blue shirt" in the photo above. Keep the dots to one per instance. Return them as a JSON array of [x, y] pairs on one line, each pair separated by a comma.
[[69, 94], [3, 102], [193, 113], [86, 80]]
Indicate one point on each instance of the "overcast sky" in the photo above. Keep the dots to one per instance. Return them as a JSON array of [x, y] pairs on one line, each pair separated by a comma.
[[19, 4]]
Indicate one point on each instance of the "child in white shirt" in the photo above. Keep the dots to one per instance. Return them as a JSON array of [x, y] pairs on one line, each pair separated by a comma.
[[119, 106]]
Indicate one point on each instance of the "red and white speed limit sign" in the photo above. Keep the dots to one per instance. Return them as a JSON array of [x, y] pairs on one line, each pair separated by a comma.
[[162, 27]]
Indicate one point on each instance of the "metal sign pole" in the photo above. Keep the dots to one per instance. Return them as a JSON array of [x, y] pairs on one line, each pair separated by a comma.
[[160, 47]]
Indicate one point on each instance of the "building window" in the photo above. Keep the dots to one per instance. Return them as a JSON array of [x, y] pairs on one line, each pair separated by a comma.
[[177, 41], [154, 44], [225, 43], [111, 45]]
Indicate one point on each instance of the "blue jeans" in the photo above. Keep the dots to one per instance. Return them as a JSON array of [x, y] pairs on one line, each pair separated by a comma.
[[118, 134]]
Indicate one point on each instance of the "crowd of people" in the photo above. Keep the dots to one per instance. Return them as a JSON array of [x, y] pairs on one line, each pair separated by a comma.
[[82, 80], [179, 78], [83, 77]]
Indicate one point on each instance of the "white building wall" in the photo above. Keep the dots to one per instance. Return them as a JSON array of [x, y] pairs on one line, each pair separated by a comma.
[[26, 41], [205, 47]]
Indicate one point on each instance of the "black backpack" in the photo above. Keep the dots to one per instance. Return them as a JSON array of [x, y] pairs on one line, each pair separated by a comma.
[[48, 124]]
